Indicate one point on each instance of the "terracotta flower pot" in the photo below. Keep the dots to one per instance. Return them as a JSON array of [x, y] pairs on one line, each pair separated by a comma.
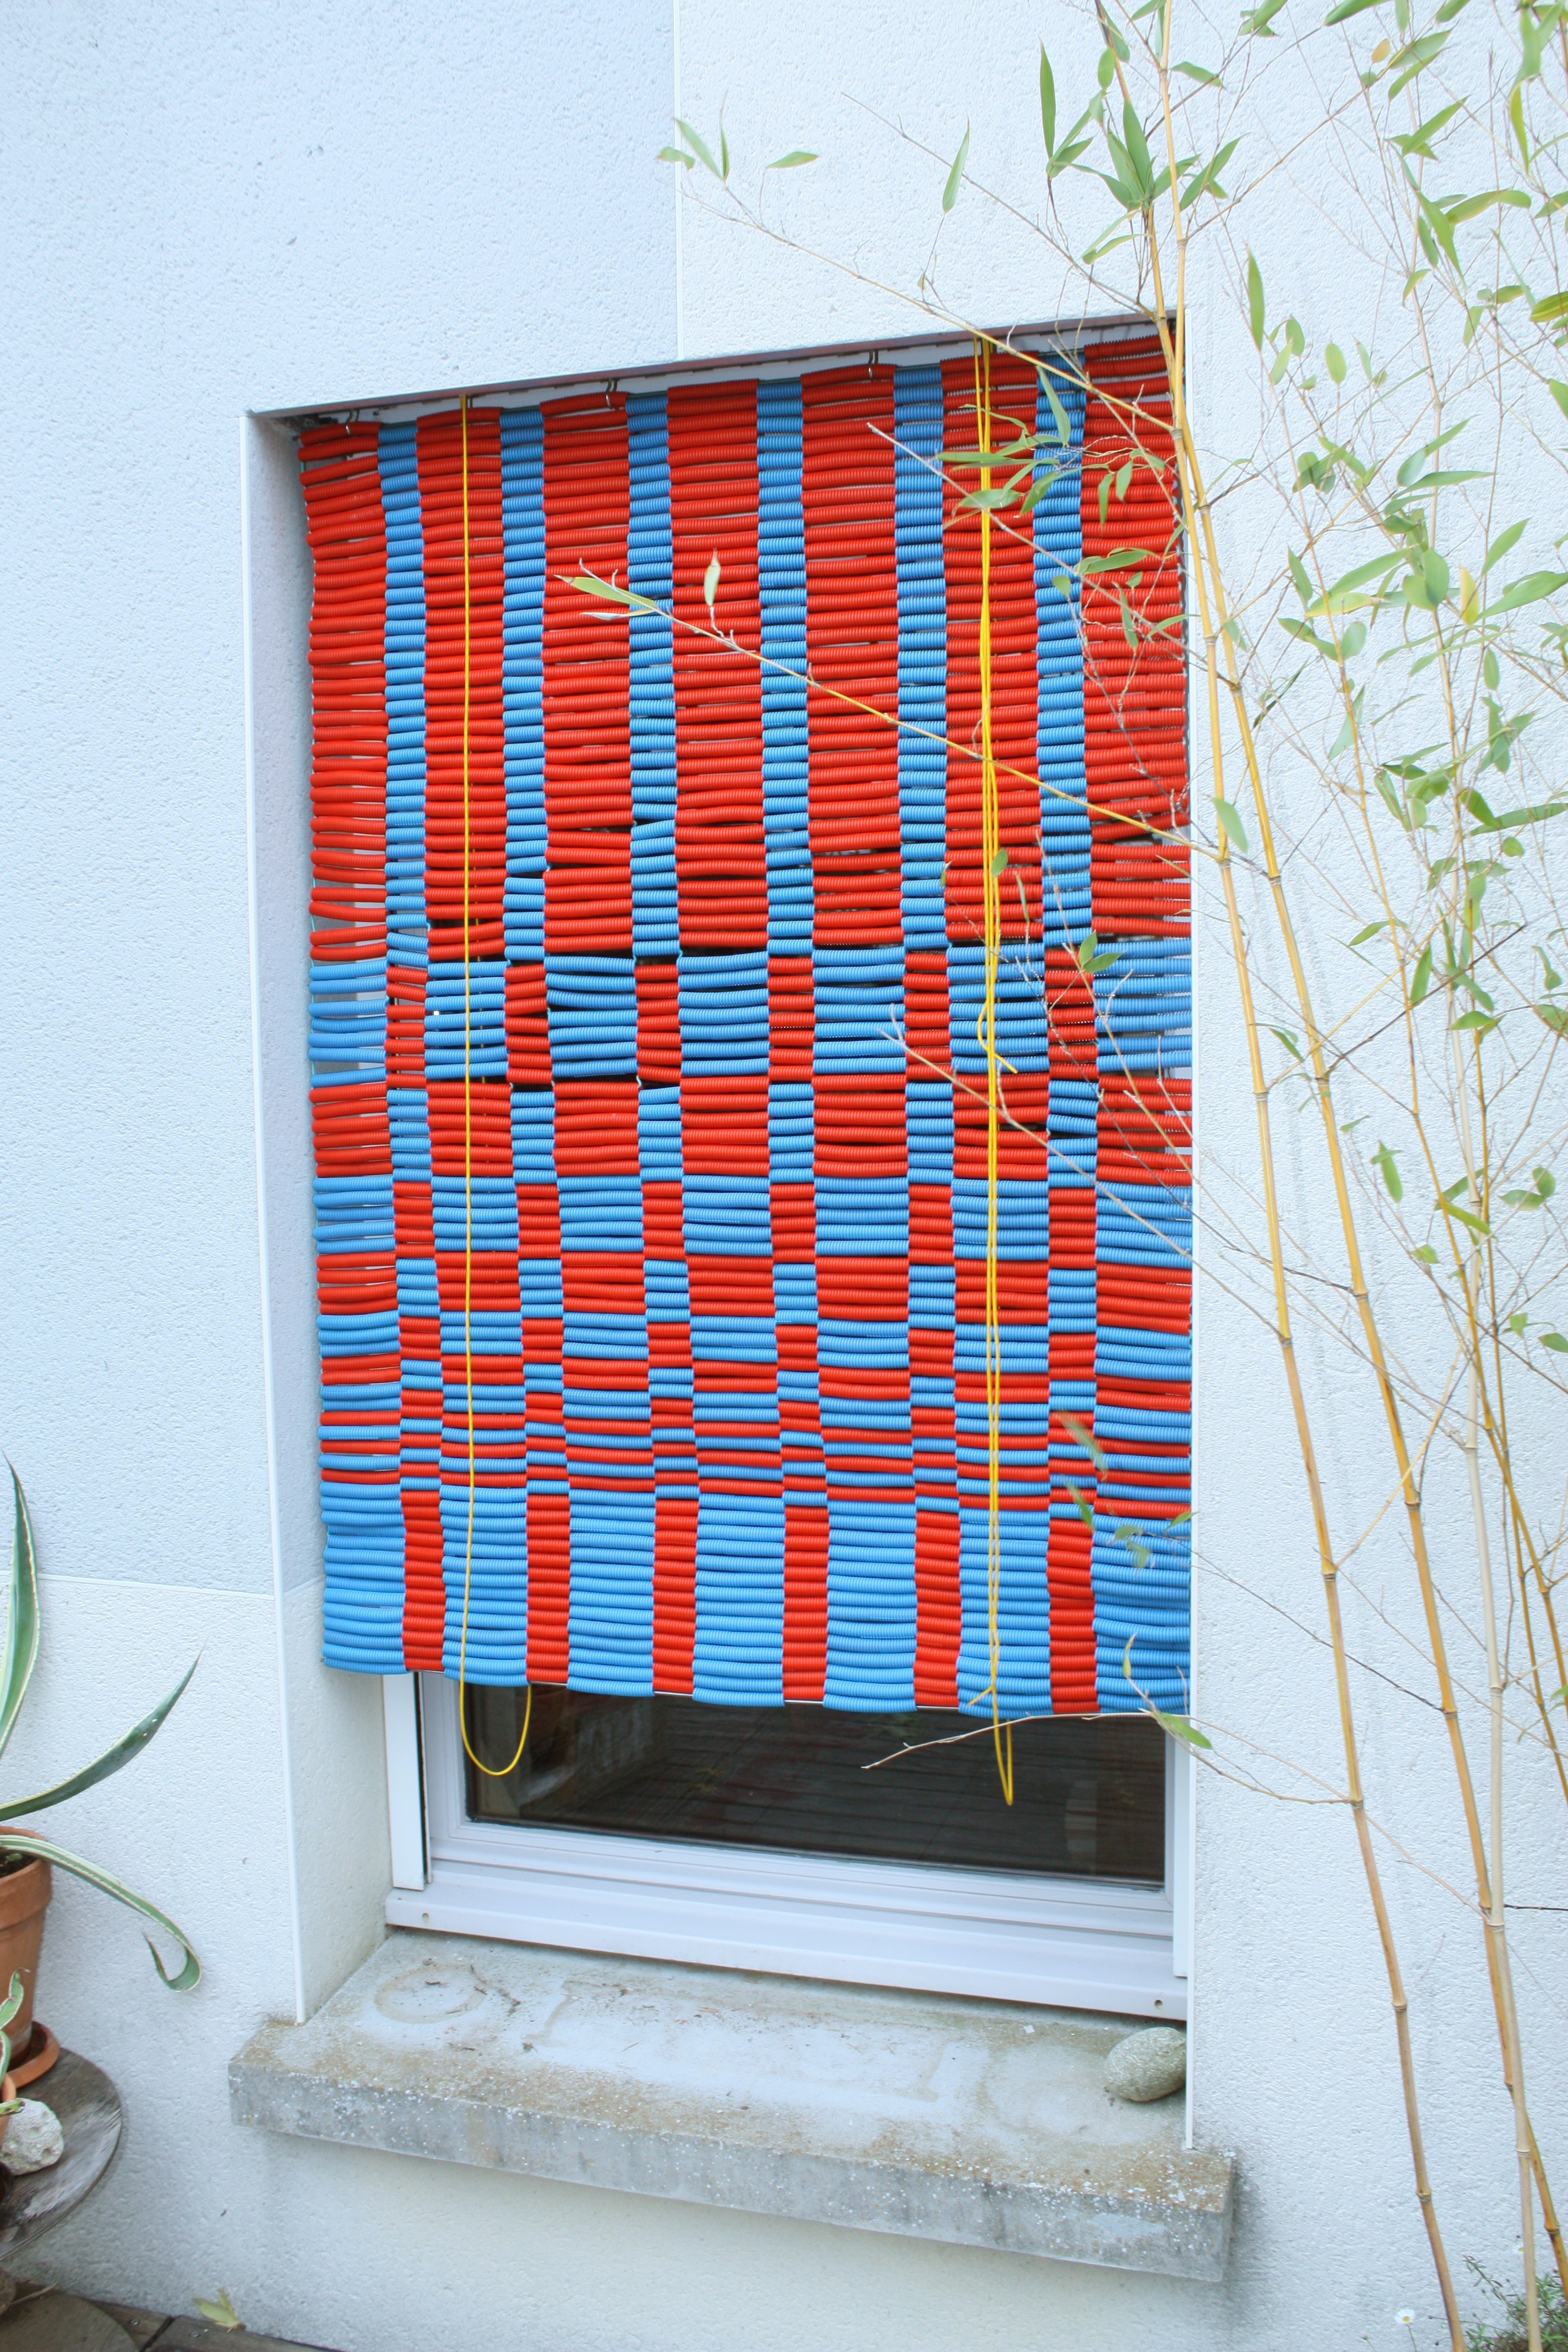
[[24, 1898]]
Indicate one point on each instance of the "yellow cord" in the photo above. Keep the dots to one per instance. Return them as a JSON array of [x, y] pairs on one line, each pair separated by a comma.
[[489, 1770], [990, 846]]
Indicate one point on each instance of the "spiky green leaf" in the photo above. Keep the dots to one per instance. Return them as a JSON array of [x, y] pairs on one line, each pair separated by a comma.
[[28, 1842]]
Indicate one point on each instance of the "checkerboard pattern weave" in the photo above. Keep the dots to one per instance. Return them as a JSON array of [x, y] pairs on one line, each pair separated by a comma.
[[718, 1199]]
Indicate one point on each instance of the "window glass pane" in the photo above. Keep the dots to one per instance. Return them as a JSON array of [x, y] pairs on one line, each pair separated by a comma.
[[1089, 1791]]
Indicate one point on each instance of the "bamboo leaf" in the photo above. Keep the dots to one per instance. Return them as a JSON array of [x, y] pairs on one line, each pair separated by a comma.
[[1255, 299], [998, 863], [1500, 547], [218, 2310], [1422, 979], [955, 176], [676, 155], [1120, 557], [112, 1760], [1528, 591], [1382, 1159], [1555, 1017], [792, 161], [1551, 307], [1347, 9], [1555, 1341], [26, 1841], [1048, 103], [21, 1650], [1178, 1728], [1230, 823], [1198, 73], [1334, 360], [590, 584], [1082, 1435], [697, 146], [1468, 206]]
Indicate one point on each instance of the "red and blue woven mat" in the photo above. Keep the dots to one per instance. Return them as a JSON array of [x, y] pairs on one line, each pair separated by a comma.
[[652, 1199]]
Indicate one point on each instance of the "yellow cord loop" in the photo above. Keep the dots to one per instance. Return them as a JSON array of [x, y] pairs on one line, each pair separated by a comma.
[[490, 1771], [990, 875]]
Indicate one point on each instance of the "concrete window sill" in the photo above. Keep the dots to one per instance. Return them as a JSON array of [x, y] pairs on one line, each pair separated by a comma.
[[981, 2123]]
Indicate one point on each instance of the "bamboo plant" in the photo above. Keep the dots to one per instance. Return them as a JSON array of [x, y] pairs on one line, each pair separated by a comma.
[[1378, 689]]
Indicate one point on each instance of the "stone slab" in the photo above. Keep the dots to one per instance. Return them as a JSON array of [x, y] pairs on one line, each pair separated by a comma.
[[139, 2325], [62, 2323], [980, 2123], [200, 2336]]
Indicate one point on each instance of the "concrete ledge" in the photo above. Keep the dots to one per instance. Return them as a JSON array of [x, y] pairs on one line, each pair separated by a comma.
[[981, 2123]]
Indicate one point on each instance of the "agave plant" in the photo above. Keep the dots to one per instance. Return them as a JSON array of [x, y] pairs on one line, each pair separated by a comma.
[[18, 1658], [8, 2008]]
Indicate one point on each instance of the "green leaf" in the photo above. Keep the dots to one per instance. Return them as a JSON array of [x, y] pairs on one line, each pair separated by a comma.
[[1484, 1022], [1420, 141], [1499, 548], [1059, 414], [1555, 1017], [1198, 73], [1538, 814], [698, 147], [1048, 103], [676, 155], [1122, 557], [1425, 1254], [28, 1842], [590, 584], [1138, 151], [111, 1760], [1348, 8], [1551, 307], [1334, 360], [1555, 1341], [21, 1649], [219, 2309], [1559, 393], [1082, 1435], [1290, 1041], [1230, 824], [955, 176], [1468, 206], [1528, 591], [1422, 981], [1382, 1159], [1255, 299], [1082, 1506], [1178, 1728], [1362, 936], [792, 161], [998, 863], [1298, 574], [13, 2001]]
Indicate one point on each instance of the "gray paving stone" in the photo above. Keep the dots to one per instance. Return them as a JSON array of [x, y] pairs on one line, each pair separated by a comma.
[[141, 2325], [62, 2323]]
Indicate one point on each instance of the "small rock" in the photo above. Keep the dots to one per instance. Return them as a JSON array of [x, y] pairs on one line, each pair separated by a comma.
[[33, 2139], [1148, 2065]]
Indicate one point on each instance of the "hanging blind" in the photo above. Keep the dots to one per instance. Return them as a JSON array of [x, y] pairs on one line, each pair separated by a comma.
[[650, 1089]]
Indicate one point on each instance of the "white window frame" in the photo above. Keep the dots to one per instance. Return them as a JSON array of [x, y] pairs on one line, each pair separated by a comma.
[[1070, 1943]]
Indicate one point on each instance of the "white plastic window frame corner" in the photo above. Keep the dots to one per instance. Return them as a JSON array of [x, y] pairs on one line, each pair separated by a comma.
[[1068, 1943]]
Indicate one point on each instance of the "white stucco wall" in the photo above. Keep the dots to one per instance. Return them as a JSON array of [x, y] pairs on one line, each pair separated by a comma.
[[216, 208]]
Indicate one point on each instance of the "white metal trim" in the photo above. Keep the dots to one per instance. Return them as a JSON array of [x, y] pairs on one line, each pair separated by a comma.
[[1070, 1943], [405, 1790], [264, 1270]]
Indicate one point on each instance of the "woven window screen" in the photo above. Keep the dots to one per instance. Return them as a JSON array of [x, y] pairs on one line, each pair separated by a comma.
[[651, 1204]]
